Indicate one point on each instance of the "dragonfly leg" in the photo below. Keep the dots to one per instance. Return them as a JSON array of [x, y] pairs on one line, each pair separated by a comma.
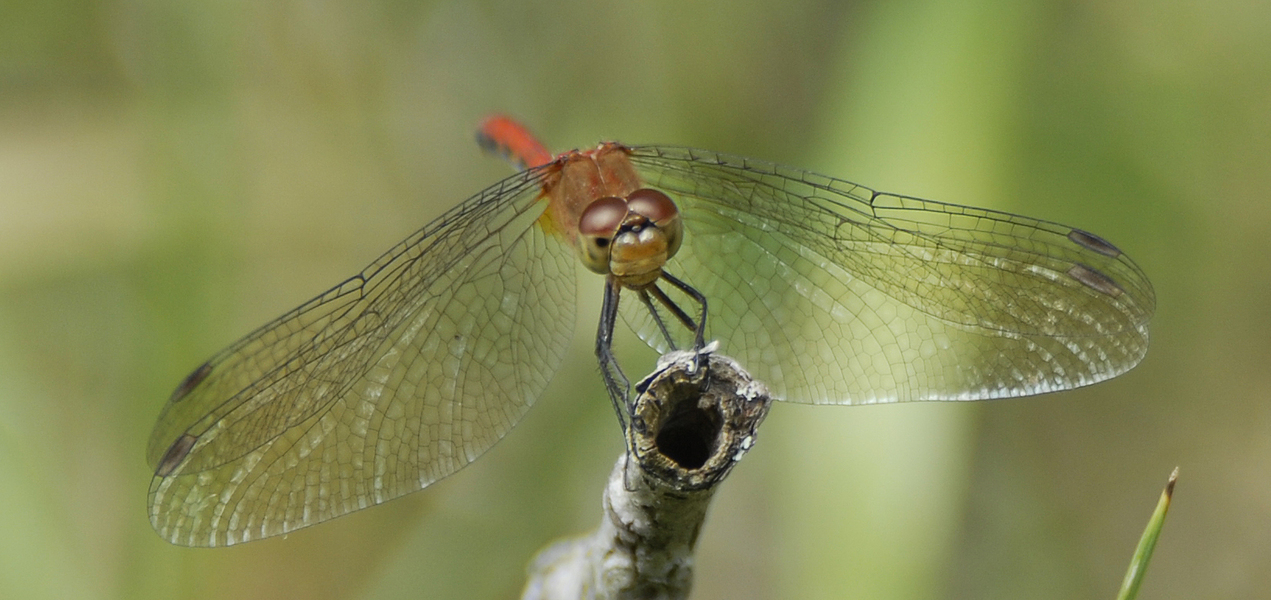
[[699, 329], [657, 317], [616, 382], [681, 316]]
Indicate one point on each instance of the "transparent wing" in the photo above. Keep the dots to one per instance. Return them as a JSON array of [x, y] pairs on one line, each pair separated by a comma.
[[384, 384], [833, 293]]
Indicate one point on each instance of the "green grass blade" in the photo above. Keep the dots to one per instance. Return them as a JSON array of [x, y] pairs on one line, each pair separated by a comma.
[[1143, 554]]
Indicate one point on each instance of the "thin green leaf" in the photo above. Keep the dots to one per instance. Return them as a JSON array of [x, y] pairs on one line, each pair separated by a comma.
[[1143, 554]]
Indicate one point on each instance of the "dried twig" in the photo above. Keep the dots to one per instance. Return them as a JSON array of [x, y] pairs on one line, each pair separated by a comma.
[[690, 425]]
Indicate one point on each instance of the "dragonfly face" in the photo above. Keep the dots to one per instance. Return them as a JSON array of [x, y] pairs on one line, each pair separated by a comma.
[[630, 238], [827, 291]]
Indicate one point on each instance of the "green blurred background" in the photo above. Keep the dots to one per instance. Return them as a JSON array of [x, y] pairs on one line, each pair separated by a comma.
[[173, 174]]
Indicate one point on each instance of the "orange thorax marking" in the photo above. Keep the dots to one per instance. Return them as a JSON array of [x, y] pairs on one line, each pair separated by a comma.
[[582, 177]]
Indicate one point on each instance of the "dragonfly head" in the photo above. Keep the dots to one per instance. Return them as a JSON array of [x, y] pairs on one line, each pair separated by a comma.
[[630, 238]]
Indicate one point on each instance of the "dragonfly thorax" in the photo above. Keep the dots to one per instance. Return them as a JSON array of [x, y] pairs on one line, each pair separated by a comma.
[[630, 238]]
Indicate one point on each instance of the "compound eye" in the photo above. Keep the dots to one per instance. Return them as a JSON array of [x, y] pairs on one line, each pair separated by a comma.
[[597, 225], [662, 212], [602, 217], [653, 205]]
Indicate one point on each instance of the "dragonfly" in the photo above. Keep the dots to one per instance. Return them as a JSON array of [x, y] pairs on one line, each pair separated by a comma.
[[828, 291]]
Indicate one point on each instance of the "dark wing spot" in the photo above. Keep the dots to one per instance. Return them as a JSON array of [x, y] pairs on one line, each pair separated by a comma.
[[175, 454], [1093, 242], [191, 381], [1095, 280]]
